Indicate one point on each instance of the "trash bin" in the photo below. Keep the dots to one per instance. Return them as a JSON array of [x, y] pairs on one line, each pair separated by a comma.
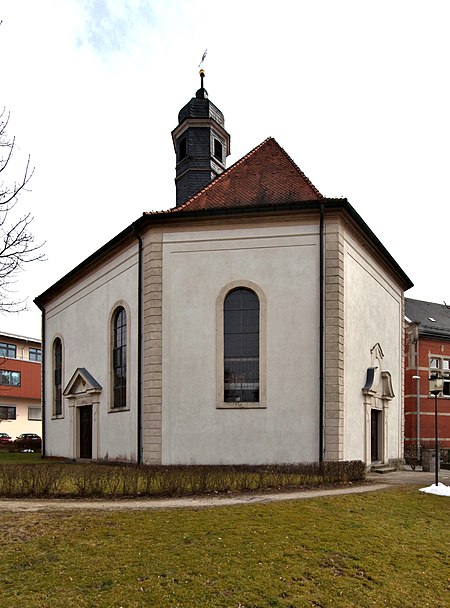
[[429, 460]]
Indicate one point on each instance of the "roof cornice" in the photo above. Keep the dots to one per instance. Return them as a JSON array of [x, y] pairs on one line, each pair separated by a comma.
[[127, 235], [190, 123], [337, 204], [163, 217]]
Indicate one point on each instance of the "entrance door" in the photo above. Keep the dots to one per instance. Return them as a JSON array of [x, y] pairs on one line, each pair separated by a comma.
[[375, 417], [85, 431]]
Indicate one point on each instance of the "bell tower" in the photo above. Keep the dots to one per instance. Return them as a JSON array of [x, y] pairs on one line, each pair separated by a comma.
[[201, 144]]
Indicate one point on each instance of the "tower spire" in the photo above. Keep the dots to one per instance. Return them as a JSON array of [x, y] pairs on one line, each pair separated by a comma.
[[201, 143]]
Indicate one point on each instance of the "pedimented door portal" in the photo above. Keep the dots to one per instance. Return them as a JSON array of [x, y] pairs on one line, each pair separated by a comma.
[[377, 393], [85, 447], [83, 394]]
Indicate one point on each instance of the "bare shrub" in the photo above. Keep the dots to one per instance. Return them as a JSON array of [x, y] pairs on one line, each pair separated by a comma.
[[91, 480], [24, 480], [8, 480], [99, 480], [43, 480]]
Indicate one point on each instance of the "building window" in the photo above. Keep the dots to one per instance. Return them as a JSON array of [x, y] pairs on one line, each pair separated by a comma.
[[218, 151], [7, 412], [182, 149], [241, 346], [119, 358], [8, 350], [434, 363], [441, 367], [57, 377], [35, 354], [34, 413], [9, 378], [446, 390]]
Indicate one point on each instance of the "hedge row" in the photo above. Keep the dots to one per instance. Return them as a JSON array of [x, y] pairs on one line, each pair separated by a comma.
[[63, 480], [22, 445]]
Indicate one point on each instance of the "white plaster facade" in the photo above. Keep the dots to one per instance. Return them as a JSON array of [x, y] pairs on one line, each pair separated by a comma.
[[373, 316], [281, 263], [187, 267], [81, 317]]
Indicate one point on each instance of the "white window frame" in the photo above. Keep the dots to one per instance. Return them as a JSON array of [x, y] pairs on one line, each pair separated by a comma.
[[444, 371], [38, 410]]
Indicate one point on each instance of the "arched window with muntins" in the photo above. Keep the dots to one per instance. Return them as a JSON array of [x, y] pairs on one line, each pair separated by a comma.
[[57, 377], [241, 346], [119, 358]]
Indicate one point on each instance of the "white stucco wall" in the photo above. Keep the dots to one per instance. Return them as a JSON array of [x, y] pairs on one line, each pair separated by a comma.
[[80, 316], [283, 262], [282, 259], [372, 313]]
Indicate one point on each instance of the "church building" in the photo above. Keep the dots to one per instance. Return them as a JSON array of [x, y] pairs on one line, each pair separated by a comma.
[[257, 321]]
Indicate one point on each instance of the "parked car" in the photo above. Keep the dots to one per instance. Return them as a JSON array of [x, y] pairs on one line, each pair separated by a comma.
[[28, 437], [5, 438], [28, 442]]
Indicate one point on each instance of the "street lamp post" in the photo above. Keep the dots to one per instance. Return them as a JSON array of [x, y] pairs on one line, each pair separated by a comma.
[[436, 386]]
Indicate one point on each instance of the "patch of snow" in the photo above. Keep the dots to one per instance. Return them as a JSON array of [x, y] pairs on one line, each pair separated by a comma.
[[440, 489]]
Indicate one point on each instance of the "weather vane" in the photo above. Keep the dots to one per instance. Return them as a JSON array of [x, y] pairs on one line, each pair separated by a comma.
[[202, 71], [203, 58]]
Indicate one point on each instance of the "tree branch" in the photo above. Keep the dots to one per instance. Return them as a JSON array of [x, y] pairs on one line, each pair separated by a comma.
[[17, 243]]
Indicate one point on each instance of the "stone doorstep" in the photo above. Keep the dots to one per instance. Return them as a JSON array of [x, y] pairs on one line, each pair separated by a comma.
[[382, 468]]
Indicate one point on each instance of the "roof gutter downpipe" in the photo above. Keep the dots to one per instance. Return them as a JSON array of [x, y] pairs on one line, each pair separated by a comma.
[[42, 309], [139, 356], [321, 335]]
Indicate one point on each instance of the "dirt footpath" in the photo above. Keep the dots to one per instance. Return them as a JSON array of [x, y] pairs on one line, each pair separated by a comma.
[[376, 482]]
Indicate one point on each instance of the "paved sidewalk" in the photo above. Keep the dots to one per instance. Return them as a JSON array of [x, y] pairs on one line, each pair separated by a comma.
[[408, 476], [377, 481]]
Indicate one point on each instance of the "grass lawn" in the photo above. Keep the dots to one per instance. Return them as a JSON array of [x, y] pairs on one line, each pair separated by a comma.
[[19, 457], [387, 548]]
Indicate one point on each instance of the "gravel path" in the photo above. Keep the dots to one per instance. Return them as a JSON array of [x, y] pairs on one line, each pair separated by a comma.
[[191, 502]]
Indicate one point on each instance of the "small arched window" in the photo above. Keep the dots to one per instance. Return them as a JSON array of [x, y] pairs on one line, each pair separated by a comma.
[[57, 377], [119, 358], [218, 150], [182, 149], [241, 346]]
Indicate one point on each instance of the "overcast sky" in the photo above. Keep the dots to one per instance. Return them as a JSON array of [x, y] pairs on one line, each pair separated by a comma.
[[356, 92]]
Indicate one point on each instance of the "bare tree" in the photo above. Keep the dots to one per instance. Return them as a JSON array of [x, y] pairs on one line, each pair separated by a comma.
[[17, 244]]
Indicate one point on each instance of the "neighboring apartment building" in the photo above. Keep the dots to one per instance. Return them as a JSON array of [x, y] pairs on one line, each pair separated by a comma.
[[20, 385], [427, 352]]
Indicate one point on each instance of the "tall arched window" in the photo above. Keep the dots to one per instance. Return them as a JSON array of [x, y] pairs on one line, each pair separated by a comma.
[[241, 346], [57, 377], [119, 358]]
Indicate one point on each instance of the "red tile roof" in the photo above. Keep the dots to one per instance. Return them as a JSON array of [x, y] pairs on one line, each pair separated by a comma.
[[266, 175]]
